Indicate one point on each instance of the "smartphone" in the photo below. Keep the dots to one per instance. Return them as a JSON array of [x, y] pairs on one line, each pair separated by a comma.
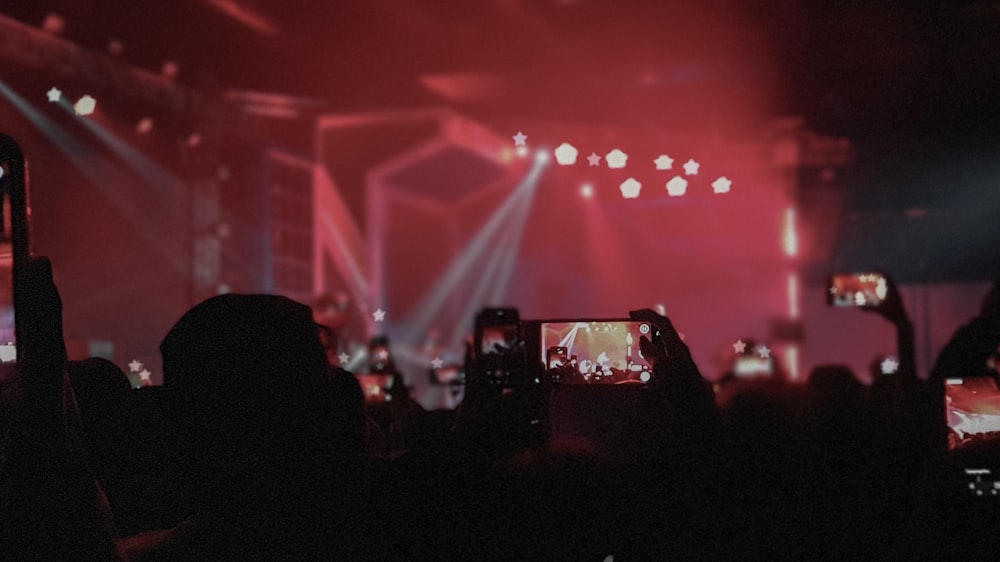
[[557, 356], [376, 388], [972, 410], [498, 331], [14, 246], [750, 366], [379, 358], [857, 289], [497, 340], [599, 351]]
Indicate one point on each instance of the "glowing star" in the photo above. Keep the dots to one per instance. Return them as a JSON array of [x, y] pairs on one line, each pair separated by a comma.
[[134, 366], [630, 188], [664, 162], [616, 159], [54, 94], [594, 159], [437, 363], [379, 315], [740, 346], [566, 154], [764, 352], [691, 167], [144, 377], [889, 366], [519, 138], [85, 105], [344, 358], [677, 186], [722, 185], [382, 355]]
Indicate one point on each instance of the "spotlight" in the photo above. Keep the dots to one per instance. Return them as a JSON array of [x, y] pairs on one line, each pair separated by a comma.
[[194, 140], [521, 151], [53, 23], [144, 126], [616, 159], [170, 69], [586, 191], [115, 47], [542, 156]]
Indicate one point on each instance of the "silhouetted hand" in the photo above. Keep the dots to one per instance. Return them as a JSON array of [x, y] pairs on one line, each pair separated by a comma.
[[665, 346], [991, 304], [891, 308]]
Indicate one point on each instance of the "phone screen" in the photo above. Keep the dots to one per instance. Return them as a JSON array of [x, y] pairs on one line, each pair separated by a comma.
[[13, 244], [597, 351], [857, 289], [972, 410], [749, 366]]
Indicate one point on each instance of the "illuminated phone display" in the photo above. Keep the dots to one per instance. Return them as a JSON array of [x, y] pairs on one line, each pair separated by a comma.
[[597, 351], [857, 289], [972, 410]]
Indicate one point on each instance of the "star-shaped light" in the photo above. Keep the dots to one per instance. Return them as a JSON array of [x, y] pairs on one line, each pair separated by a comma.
[[616, 159], [677, 186], [519, 138], [85, 105], [630, 188], [344, 358], [379, 315], [383, 354], [54, 94], [740, 346], [134, 366], [144, 376], [566, 154], [722, 185], [437, 363], [664, 162], [889, 366], [691, 167], [764, 352], [594, 159]]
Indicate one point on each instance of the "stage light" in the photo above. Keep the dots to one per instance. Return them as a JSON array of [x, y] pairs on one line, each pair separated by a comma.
[[677, 186], [53, 23], [691, 167], [170, 69], [616, 159], [586, 191], [542, 157], [644, 376], [194, 140], [115, 47], [630, 188], [85, 105], [144, 125], [521, 151], [789, 237], [566, 154]]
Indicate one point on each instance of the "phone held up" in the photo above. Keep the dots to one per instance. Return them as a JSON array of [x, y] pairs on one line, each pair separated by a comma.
[[496, 342], [14, 247], [866, 290]]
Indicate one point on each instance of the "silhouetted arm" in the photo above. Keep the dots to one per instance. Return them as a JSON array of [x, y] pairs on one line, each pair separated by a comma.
[[52, 506]]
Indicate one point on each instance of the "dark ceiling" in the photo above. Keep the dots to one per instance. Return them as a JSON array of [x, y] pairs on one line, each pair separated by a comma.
[[915, 85]]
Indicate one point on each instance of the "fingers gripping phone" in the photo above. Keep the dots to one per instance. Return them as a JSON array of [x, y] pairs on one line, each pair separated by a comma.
[[14, 247]]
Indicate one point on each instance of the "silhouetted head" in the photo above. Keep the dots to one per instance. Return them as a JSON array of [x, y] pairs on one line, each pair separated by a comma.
[[102, 394], [249, 386]]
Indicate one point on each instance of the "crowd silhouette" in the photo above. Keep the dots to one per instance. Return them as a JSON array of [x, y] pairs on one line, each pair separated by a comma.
[[256, 447]]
